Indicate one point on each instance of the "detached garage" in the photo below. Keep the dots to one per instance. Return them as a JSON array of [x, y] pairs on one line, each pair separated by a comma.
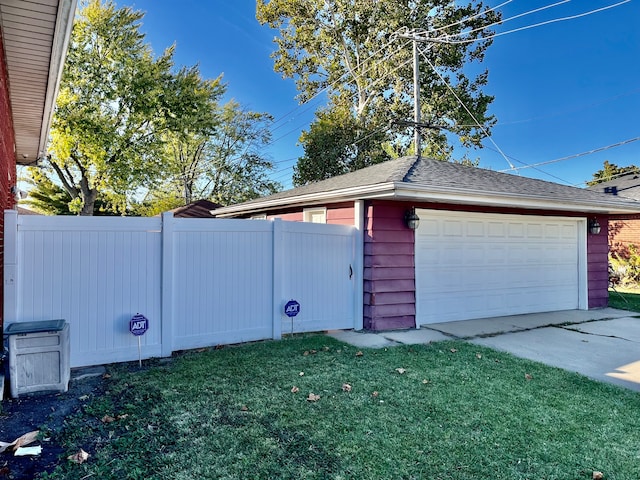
[[482, 243]]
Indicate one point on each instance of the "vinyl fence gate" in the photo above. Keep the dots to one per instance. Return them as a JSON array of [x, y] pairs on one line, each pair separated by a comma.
[[200, 282]]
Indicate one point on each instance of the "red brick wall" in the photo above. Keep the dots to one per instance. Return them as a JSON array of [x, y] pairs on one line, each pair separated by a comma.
[[623, 233], [7, 162]]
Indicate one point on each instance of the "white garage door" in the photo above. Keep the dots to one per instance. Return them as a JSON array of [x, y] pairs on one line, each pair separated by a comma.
[[477, 265]]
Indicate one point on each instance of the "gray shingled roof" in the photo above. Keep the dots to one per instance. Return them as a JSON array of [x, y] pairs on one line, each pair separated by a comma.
[[627, 186], [428, 175]]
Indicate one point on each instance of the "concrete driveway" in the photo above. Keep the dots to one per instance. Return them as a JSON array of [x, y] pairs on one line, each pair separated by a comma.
[[601, 344]]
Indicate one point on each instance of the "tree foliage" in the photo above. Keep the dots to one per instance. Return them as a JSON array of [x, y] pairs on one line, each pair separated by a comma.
[[225, 166], [48, 198], [116, 103], [611, 171], [350, 50]]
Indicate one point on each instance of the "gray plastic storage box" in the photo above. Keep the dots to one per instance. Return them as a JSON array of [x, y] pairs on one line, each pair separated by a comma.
[[38, 356]]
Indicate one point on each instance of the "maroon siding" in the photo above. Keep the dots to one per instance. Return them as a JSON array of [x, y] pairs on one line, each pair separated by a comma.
[[290, 217], [337, 214], [598, 266], [389, 271], [7, 160]]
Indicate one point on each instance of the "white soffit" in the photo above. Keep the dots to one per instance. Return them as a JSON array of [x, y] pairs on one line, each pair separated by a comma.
[[36, 35]]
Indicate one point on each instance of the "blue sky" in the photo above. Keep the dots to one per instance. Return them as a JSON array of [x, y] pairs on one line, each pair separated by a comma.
[[560, 89]]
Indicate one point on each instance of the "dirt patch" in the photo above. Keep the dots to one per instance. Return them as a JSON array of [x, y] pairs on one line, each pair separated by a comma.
[[45, 412]]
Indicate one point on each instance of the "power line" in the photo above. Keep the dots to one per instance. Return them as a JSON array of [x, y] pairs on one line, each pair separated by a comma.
[[338, 80], [479, 14], [484, 130], [582, 154], [500, 22], [562, 180], [547, 22]]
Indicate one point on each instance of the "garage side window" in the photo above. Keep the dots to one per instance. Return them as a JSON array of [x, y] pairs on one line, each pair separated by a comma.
[[315, 215]]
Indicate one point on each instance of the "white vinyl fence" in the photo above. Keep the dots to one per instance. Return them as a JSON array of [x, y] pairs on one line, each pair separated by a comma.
[[200, 282]]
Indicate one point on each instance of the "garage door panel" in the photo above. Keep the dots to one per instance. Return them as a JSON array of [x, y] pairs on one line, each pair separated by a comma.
[[473, 265]]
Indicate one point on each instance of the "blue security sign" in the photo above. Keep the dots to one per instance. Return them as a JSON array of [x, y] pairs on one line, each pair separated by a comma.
[[292, 308], [138, 325]]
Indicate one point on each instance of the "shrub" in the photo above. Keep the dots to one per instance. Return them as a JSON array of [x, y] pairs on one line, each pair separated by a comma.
[[625, 269]]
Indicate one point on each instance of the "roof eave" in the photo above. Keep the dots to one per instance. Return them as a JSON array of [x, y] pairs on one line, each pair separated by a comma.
[[407, 191], [498, 199], [61, 39], [381, 190]]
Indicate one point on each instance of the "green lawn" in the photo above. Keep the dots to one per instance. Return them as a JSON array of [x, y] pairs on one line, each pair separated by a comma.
[[452, 411], [625, 298]]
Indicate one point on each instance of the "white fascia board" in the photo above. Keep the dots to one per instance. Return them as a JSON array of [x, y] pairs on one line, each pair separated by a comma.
[[414, 192], [382, 190], [61, 37]]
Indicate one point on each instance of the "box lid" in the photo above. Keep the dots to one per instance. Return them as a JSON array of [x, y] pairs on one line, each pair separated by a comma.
[[34, 327]]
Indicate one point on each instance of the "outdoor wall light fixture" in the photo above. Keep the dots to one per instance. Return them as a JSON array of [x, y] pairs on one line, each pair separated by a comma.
[[594, 226], [411, 219]]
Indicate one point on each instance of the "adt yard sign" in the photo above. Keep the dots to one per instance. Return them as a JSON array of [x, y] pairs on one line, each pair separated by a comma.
[[292, 308], [138, 325]]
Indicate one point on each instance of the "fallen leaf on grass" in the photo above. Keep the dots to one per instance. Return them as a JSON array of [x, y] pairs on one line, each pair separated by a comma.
[[478, 356], [301, 374], [425, 381], [313, 397], [325, 349], [400, 370], [106, 375], [375, 394], [294, 389], [80, 457], [244, 408], [528, 377], [25, 439], [598, 475], [83, 398], [453, 350], [122, 417], [108, 419], [359, 353], [346, 387]]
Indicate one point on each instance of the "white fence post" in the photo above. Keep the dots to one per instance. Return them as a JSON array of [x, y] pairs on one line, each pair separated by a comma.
[[167, 284], [358, 255], [10, 311], [278, 269]]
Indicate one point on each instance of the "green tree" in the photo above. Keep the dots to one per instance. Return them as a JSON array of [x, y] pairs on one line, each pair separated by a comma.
[[347, 48], [226, 166], [48, 198], [116, 104], [611, 171]]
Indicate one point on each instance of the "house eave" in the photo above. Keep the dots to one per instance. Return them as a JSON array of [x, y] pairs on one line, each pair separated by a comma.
[[35, 37], [61, 39], [382, 190], [418, 193], [497, 199]]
